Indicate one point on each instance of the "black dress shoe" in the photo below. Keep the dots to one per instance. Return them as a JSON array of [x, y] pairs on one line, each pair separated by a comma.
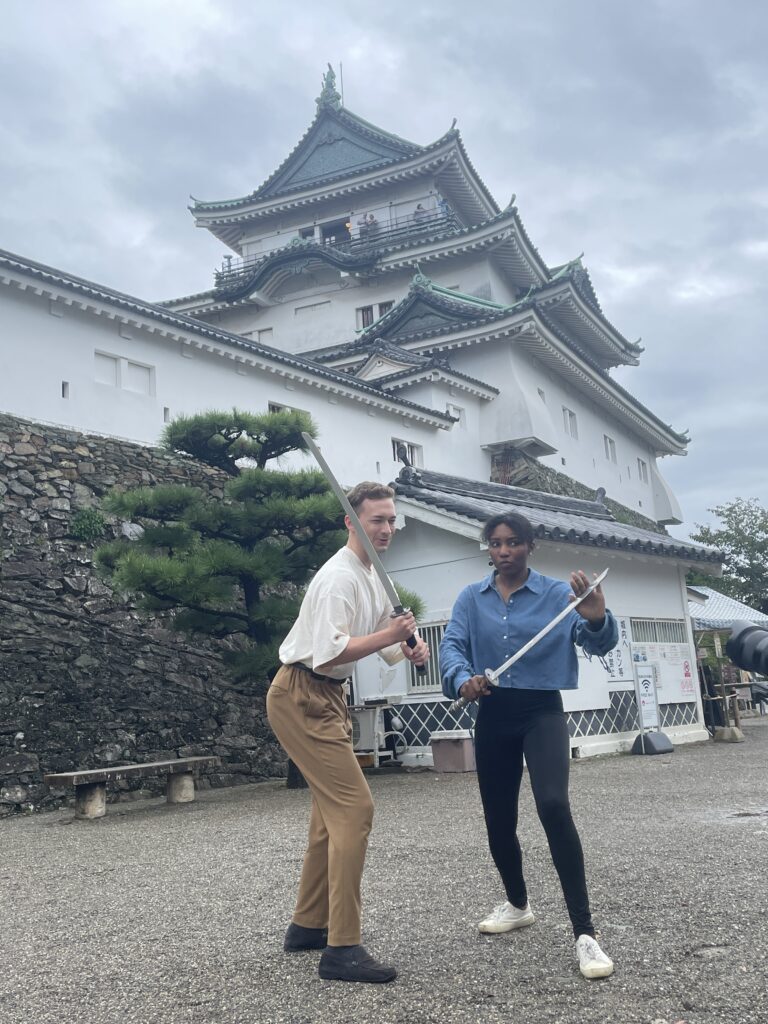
[[298, 938], [353, 963]]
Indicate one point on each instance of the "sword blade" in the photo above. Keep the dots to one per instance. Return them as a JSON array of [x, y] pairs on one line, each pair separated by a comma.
[[492, 675], [362, 536]]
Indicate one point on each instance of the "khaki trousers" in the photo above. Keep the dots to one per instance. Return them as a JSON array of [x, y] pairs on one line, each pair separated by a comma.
[[311, 720]]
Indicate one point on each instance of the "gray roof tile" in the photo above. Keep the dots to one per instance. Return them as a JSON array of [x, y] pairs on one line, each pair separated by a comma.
[[553, 517], [721, 611]]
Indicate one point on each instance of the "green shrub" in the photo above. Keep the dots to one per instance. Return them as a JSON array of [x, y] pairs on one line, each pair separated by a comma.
[[88, 525]]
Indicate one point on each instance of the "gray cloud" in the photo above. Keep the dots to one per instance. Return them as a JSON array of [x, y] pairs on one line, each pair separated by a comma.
[[635, 133]]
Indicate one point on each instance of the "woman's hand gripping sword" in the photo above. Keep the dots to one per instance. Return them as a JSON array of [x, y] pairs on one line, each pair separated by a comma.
[[493, 674]]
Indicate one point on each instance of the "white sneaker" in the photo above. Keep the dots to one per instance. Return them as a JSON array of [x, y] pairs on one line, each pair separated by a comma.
[[505, 917], [593, 963]]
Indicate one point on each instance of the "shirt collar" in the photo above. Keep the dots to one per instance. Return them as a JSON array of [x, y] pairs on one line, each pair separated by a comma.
[[534, 583]]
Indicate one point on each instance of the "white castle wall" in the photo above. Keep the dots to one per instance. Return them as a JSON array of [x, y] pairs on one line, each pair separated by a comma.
[[43, 352]]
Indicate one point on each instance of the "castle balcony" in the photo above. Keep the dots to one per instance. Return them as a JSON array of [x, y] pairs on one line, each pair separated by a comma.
[[352, 246]]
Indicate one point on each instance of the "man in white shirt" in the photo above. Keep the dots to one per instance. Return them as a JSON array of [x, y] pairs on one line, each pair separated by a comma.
[[345, 616]]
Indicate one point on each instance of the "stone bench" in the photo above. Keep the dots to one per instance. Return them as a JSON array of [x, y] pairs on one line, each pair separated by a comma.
[[91, 786]]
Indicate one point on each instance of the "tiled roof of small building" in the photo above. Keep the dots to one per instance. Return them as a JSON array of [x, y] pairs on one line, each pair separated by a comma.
[[720, 611], [553, 517]]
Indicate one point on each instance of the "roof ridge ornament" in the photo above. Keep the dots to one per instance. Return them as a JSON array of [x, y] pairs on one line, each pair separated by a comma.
[[329, 95], [419, 280]]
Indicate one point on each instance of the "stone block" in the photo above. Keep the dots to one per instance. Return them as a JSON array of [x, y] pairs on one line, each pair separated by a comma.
[[19, 763], [13, 795], [91, 800], [728, 734], [180, 789]]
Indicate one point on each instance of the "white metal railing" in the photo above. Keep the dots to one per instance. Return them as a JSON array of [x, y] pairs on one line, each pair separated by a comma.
[[659, 631], [429, 681]]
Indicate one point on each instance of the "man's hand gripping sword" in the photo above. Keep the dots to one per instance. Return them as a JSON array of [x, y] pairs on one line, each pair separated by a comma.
[[370, 550]]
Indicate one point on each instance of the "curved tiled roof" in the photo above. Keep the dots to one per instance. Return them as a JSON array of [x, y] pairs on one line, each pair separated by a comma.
[[720, 611], [600, 371], [502, 230], [416, 368], [241, 284], [326, 117], [553, 517], [395, 352], [339, 145], [431, 366], [468, 310], [452, 310]]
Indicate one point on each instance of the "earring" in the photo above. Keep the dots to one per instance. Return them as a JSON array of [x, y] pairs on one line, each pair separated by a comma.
[[490, 561]]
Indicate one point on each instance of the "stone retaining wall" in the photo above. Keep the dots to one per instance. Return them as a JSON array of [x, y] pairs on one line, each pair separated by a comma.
[[86, 680]]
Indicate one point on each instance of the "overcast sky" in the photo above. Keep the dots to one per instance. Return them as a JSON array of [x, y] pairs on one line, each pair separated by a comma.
[[634, 133]]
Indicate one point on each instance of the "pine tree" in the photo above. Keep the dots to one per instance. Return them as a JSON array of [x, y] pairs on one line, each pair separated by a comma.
[[232, 569]]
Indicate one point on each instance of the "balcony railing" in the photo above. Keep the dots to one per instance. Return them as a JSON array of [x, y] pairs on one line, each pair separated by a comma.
[[363, 239]]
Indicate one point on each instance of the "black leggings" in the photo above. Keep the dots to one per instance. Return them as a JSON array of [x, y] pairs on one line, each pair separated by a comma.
[[512, 723]]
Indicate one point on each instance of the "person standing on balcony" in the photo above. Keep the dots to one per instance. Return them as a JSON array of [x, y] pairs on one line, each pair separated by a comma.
[[345, 616], [371, 225], [523, 716]]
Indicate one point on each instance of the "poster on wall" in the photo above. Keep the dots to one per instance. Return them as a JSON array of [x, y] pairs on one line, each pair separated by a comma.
[[676, 680], [619, 660]]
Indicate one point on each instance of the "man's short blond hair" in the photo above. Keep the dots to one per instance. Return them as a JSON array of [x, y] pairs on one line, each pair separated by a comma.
[[368, 490]]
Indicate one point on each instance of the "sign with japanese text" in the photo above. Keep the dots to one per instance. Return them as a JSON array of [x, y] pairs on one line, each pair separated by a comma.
[[619, 660], [674, 669]]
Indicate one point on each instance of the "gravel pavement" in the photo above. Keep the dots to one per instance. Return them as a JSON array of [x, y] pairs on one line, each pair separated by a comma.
[[175, 915]]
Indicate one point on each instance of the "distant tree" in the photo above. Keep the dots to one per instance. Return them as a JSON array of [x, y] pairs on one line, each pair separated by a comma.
[[743, 539], [230, 568]]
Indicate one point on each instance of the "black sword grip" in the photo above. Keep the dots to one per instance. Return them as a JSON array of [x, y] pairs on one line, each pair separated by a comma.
[[421, 669], [411, 641]]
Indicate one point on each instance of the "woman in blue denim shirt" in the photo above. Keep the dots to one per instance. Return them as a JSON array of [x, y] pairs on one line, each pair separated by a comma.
[[524, 717]]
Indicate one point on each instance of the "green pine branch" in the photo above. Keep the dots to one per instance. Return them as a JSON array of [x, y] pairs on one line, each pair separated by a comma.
[[229, 568]]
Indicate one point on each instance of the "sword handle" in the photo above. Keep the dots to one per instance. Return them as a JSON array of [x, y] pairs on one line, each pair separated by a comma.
[[462, 702], [411, 641]]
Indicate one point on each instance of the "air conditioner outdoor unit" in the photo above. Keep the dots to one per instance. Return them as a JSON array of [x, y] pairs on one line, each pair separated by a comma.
[[364, 728]]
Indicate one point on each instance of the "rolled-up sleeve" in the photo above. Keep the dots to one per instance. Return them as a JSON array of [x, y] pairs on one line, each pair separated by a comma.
[[392, 654], [456, 648], [597, 641]]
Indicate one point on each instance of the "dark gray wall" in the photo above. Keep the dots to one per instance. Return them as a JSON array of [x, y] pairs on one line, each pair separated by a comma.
[[86, 680]]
